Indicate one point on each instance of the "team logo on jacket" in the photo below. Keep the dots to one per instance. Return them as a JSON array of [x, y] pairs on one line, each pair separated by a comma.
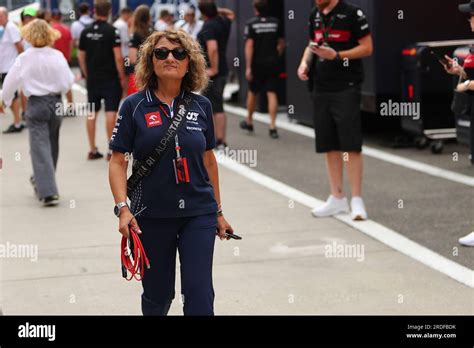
[[153, 119], [192, 116]]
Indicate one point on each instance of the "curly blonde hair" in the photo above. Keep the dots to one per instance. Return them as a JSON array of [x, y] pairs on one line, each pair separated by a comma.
[[38, 33], [195, 80]]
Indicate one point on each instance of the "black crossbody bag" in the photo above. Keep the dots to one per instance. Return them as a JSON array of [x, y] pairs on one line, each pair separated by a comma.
[[142, 169]]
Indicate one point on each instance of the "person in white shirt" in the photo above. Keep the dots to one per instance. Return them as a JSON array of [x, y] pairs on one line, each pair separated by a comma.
[[182, 8], [190, 24], [157, 7], [78, 26], [123, 25], [43, 74], [26, 16], [165, 21], [10, 47]]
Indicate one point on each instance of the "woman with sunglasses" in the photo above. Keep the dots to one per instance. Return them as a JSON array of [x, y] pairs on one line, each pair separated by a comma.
[[179, 212]]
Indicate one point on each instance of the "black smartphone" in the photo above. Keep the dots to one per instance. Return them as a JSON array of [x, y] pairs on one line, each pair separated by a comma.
[[233, 236], [441, 60], [230, 235]]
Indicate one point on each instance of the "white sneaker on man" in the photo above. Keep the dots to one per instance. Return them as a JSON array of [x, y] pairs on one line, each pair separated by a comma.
[[468, 240], [358, 209], [333, 206]]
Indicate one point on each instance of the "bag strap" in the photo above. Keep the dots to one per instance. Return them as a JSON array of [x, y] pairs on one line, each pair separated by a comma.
[[142, 169]]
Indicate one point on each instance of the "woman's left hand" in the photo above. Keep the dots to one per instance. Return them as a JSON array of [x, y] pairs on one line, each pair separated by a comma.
[[222, 226]]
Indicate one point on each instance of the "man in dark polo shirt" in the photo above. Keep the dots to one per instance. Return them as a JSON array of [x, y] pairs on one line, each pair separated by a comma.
[[100, 58], [264, 43], [213, 39], [339, 38]]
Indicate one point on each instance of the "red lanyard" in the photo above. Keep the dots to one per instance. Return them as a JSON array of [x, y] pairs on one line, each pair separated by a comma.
[[178, 148], [164, 110]]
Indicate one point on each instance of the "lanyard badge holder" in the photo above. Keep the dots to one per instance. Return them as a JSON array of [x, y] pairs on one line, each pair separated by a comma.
[[180, 164]]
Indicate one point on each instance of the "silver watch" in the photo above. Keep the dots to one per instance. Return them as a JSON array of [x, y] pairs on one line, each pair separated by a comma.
[[119, 207]]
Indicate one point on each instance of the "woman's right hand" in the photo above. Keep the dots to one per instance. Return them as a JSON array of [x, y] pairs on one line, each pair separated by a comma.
[[126, 218]]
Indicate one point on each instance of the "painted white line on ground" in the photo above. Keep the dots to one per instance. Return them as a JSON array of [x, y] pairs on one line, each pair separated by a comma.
[[368, 151], [379, 232]]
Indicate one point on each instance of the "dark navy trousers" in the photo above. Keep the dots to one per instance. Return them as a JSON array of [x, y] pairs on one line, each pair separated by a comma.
[[194, 238]]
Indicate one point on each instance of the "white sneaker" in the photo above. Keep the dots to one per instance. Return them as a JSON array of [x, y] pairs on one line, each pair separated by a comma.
[[333, 206], [358, 209], [468, 240]]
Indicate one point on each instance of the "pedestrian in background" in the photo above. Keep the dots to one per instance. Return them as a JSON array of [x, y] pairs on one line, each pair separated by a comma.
[[44, 14], [213, 39], [123, 26], [10, 47], [81, 23], [165, 21], [100, 58], [64, 44], [190, 23], [43, 74], [141, 29], [264, 44], [26, 16], [466, 85], [339, 38]]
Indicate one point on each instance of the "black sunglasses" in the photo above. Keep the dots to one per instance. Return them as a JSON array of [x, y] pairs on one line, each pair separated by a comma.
[[163, 53]]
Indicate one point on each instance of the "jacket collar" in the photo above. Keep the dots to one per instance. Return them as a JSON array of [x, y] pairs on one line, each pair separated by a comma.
[[152, 99]]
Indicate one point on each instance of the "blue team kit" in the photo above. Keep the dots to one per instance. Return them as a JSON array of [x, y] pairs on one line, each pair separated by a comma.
[[179, 184]]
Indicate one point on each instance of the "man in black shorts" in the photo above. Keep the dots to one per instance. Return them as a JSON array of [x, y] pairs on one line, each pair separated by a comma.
[[100, 58], [339, 38], [213, 39], [264, 43]]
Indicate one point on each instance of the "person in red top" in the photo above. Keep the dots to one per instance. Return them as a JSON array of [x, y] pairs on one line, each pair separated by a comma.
[[64, 43]]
